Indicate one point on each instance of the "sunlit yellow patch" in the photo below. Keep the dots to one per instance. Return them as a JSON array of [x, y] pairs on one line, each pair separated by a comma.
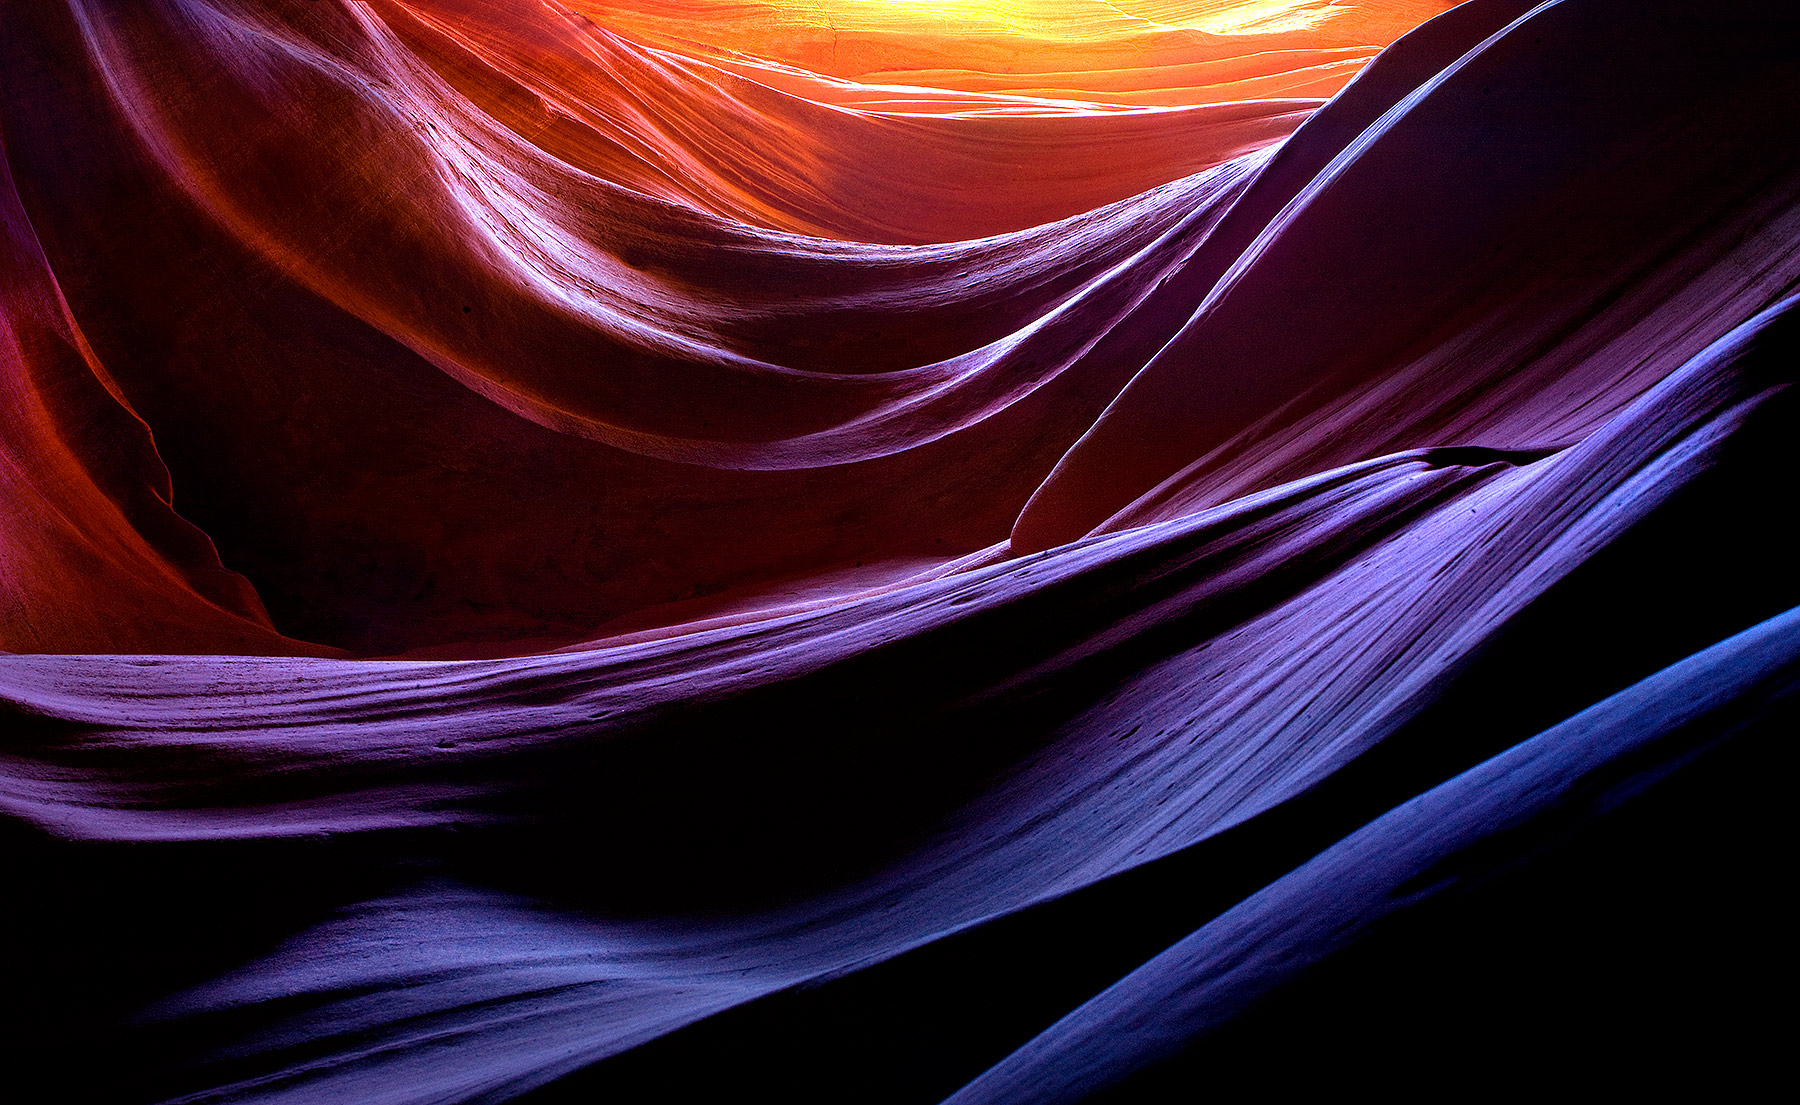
[[1061, 19], [1229, 17]]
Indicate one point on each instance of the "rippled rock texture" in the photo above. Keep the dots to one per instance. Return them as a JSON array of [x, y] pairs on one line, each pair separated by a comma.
[[850, 551]]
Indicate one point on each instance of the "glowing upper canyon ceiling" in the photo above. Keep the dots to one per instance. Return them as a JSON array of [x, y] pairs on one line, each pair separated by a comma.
[[891, 122], [1077, 51]]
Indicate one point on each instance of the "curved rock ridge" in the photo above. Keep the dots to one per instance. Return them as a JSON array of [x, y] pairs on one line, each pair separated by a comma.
[[990, 551]]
